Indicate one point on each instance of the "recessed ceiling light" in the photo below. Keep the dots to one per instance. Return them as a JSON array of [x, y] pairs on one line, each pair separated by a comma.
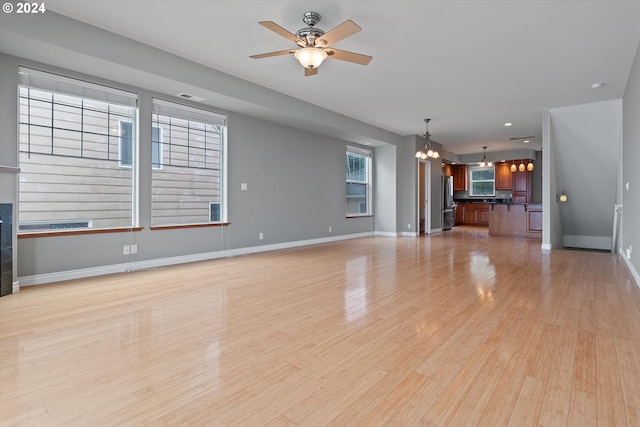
[[597, 85], [526, 141], [508, 124]]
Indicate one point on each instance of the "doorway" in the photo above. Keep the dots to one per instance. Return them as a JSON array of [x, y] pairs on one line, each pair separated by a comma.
[[424, 197]]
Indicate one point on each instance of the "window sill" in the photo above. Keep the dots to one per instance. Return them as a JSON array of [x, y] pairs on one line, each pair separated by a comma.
[[176, 226], [76, 232]]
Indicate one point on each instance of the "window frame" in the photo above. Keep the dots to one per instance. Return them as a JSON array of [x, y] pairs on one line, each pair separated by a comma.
[[367, 155], [76, 108], [477, 168], [202, 116], [156, 147]]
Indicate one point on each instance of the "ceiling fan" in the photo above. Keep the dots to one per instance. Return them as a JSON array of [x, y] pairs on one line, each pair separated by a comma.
[[315, 44]]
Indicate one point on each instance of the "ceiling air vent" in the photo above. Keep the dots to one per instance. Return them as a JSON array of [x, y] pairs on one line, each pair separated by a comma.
[[190, 97]]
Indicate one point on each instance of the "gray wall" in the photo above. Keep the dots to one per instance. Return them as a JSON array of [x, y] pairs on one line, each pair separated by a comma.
[[296, 190], [630, 170], [385, 184], [289, 152]]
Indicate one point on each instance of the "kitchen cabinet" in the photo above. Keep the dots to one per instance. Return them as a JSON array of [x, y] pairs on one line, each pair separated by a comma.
[[521, 187], [446, 169], [476, 213], [459, 173], [459, 213], [503, 176]]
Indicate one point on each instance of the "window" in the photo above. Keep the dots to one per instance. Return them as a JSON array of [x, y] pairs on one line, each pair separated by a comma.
[[482, 180], [70, 134], [127, 143], [358, 168], [188, 169]]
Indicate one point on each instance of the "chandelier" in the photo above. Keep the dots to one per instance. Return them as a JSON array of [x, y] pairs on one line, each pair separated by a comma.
[[484, 162], [427, 151]]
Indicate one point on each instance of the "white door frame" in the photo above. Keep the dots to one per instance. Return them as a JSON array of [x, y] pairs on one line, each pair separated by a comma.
[[425, 188]]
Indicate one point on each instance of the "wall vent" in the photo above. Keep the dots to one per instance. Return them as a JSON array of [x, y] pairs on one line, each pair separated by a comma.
[[190, 97]]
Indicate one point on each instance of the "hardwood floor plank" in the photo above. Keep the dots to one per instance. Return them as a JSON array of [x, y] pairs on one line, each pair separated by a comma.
[[457, 328]]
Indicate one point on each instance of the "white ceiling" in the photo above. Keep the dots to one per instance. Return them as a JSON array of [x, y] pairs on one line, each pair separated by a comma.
[[470, 66]]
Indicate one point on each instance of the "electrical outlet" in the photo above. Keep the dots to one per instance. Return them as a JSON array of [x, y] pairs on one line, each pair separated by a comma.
[[408, 226], [261, 236], [330, 229], [134, 249], [126, 250]]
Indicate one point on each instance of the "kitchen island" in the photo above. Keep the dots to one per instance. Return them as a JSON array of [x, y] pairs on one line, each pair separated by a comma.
[[509, 219]]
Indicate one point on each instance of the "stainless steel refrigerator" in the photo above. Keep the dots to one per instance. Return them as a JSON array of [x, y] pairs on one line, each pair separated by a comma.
[[447, 203]]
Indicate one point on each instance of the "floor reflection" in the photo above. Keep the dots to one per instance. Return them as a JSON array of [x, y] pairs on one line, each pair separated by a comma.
[[355, 289]]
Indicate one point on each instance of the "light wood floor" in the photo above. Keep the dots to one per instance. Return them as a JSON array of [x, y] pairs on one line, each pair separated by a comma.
[[454, 329]]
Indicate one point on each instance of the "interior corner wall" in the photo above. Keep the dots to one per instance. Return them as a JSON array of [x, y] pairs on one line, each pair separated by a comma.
[[630, 238], [385, 189], [586, 143], [407, 168], [551, 221]]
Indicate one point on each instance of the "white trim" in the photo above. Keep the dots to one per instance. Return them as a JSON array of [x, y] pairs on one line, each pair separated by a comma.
[[386, 234], [545, 247], [16, 287], [410, 234], [632, 269], [359, 150], [39, 279]]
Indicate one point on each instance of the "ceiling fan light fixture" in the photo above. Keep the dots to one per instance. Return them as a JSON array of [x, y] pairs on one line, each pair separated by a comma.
[[310, 57]]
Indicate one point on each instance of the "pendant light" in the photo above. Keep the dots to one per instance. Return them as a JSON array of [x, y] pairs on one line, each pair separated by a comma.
[[427, 151], [484, 162]]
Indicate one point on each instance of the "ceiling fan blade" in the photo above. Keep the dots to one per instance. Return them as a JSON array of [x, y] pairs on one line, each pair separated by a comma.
[[310, 71], [284, 33], [270, 54], [343, 55], [346, 29]]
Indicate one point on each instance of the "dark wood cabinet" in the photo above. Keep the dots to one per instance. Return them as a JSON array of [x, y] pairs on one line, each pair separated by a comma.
[[459, 213], [503, 176], [474, 213], [521, 187], [459, 173]]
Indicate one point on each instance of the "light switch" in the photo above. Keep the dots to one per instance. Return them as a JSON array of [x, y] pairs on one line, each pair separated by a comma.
[[243, 186]]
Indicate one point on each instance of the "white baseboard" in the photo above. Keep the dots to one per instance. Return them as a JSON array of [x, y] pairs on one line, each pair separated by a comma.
[[409, 234], [632, 269], [386, 233], [587, 242], [546, 247], [40, 279], [16, 287]]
